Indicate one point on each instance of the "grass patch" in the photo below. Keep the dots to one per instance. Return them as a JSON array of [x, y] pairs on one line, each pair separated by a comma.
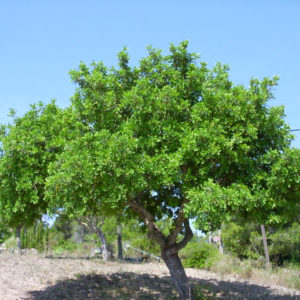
[[11, 242], [251, 269]]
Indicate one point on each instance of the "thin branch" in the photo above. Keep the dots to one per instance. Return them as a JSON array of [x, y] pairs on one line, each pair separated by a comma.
[[154, 231], [83, 224]]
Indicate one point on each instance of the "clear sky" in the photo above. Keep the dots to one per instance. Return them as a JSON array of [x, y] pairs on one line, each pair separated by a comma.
[[40, 41]]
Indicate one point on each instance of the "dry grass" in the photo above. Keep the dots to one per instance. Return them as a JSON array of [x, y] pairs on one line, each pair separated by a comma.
[[285, 277], [37, 277]]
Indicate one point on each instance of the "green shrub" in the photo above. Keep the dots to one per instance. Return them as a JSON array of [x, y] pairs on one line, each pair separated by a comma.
[[4, 234], [245, 241], [136, 236], [35, 236], [64, 246], [199, 255], [242, 241], [11, 242], [285, 245]]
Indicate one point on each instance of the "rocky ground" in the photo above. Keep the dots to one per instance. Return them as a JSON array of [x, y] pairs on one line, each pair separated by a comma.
[[32, 276]]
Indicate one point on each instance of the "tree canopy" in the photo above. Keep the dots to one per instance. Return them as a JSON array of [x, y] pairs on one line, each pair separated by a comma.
[[169, 137], [166, 138]]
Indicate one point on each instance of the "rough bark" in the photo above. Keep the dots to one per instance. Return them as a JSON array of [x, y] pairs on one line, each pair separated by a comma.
[[170, 247], [178, 275], [119, 240]]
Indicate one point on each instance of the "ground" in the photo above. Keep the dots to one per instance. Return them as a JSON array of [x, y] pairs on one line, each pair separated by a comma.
[[65, 278]]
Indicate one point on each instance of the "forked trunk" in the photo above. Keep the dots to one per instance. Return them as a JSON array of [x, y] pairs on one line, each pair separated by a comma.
[[169, 246], [178, 275], [106, 255]]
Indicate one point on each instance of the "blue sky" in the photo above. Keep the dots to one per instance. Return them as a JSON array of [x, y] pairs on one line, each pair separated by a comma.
[[40, 41]]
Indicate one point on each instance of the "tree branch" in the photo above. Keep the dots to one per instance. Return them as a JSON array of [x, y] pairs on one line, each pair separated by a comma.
[[154, 231], [171, 238], [187, 237], [83, 224]]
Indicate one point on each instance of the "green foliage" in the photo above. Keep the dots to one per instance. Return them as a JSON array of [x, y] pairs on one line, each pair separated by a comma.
[[285, 245], [27, 146], [199, 255], [64, 246], [245, 241], [109, 227], [171, 133], [136, 234], [11, 242], [242, 240], [168, 138], [283, 185], [35, 236], [4, 234], [64, 226]]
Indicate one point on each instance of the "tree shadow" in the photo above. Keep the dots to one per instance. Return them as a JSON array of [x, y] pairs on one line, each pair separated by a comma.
[[128, 285], [237, 290], [125, 285]]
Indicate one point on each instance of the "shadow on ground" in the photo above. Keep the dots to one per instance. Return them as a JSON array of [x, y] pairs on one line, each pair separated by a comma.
[[127, 285], [219, 289]]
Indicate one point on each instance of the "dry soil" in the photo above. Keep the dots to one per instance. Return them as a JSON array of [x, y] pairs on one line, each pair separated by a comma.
[[65, 278]]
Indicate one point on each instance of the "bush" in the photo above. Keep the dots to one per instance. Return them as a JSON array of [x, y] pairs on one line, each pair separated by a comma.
[[35, 236], [11, 242], [65, 246], [246, 242], [136, 236], [4, 234], [242, 241], [199, 255], [285, 245]]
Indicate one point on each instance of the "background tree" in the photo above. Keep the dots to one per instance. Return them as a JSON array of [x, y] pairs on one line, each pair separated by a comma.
[[278, 188], [27, 146], [35, 236], [94, 224], [167, 138], [64, 225]]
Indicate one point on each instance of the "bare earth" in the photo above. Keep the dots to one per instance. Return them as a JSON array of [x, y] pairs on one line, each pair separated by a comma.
[[48, 278]]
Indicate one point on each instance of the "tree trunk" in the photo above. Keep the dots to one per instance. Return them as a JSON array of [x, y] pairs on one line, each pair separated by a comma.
[[119, 234], [264, 238], [169, 246], [221, 249], [210, 238], [106, 255], [18, 238], [178, 275]]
